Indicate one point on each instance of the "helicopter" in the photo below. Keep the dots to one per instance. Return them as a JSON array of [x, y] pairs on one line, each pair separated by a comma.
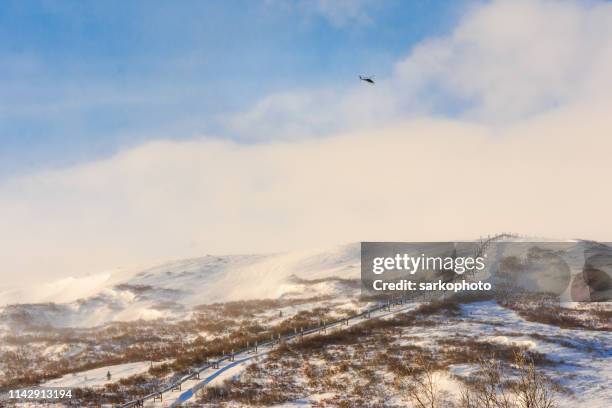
[[369, 80]]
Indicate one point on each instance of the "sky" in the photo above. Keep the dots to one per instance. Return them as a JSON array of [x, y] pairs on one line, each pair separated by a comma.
[[132, 133], [82, 80]]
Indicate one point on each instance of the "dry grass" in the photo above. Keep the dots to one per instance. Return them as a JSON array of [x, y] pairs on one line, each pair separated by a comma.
[[464, 349], [547, 310], [494, 387]]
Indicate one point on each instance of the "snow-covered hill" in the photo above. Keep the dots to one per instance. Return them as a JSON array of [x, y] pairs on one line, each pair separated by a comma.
[[310, 287], [170, 290]]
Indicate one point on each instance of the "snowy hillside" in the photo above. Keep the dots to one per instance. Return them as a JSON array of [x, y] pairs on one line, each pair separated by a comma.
[[152, 327], [172, 289]]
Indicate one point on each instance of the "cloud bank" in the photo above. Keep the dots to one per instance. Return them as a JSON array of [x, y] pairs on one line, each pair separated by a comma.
[[503, 125]]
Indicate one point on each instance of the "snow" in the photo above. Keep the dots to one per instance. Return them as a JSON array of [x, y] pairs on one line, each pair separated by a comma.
[[171, 289], [585, 359], [97, 377], [585, 356], [511, 341], [587, 368], [309, 401], [231, 369], [63, 350]]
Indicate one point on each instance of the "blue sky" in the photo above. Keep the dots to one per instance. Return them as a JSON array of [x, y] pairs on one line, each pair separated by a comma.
[[80, 80]]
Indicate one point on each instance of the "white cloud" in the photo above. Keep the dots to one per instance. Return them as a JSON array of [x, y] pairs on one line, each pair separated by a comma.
[[530, 155], [420, 180], [310, 113], [338, 13], [505, 61], [512, 59]]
